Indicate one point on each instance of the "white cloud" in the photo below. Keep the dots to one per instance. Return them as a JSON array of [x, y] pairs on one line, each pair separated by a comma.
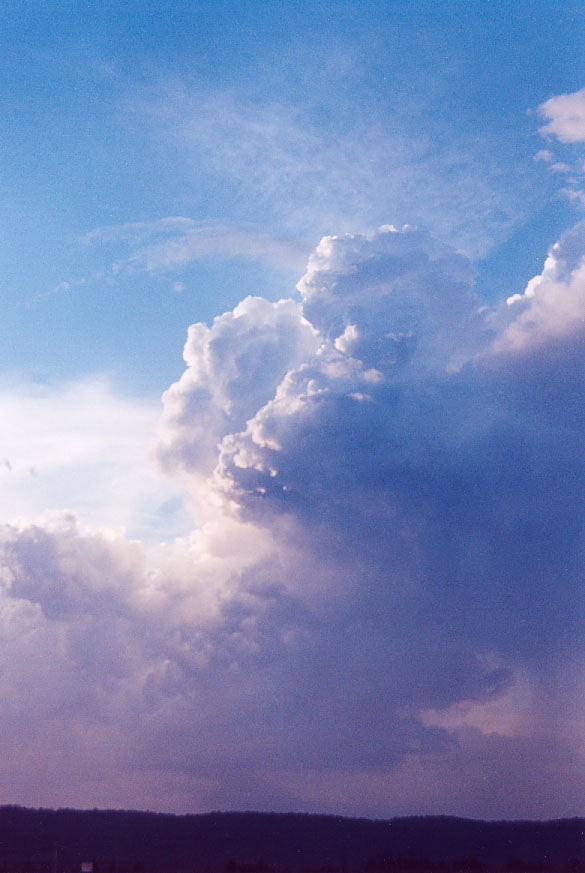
[[574, 194], [234, 368], [544, 155], [565, 115], [566, 122], [561, 167], [552, 308], [399, 291]]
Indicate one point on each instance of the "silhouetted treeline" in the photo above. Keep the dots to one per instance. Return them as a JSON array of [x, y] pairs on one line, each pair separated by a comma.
[[58, 841]]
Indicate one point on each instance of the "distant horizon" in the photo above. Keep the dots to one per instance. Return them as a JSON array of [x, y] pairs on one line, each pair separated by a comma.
[[292, 812]]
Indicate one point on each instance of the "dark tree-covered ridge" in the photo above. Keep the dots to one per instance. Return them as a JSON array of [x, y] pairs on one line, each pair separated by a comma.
[[57, 841]]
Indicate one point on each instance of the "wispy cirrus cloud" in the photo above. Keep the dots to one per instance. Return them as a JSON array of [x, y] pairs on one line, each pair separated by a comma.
[[315, 165], [171, 243]]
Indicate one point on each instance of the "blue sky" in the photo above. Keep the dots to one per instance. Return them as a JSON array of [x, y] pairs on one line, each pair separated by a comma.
[[330, 559], [349, 118]]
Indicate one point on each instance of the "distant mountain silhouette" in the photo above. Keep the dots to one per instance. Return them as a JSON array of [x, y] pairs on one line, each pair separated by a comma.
[[57, 841]]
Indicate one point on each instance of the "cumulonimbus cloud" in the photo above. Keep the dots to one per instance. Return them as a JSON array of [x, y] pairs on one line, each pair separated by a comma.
[[388, 565]]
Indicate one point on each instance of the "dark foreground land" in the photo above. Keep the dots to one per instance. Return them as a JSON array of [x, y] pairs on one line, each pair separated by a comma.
[[49, 841]]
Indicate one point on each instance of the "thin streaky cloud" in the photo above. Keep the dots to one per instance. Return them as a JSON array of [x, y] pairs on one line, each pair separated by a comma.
[[174, 242], [134, 231], [279, 160]]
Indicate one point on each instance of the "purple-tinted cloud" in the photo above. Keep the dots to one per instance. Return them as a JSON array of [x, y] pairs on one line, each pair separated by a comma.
[[381, 610]]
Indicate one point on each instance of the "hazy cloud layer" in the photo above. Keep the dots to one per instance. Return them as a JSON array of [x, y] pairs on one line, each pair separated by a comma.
[[381, 609]]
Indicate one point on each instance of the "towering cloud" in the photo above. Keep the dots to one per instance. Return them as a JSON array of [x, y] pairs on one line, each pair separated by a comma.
[[384, 593], [551, 312]]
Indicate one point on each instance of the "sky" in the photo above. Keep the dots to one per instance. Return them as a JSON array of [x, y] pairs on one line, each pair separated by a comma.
[[292, 383]]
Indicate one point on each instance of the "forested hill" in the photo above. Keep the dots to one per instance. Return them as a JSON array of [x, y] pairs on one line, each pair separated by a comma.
[[50, 841]]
